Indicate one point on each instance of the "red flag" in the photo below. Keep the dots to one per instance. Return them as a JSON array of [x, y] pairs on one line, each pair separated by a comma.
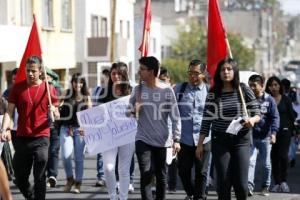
[[216, 38], [146, 32], [33, 48]]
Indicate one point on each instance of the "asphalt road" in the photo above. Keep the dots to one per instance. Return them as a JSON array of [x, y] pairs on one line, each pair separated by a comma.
[[88, 191]]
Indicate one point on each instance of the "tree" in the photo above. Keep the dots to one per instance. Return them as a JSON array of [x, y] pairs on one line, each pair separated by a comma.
[[191, 44], [243, 55], [249, 4]]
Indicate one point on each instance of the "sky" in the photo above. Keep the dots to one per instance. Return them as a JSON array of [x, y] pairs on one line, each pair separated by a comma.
[[291, 6]]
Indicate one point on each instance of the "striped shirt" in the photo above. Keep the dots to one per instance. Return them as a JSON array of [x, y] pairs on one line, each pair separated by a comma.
[[218, 114]]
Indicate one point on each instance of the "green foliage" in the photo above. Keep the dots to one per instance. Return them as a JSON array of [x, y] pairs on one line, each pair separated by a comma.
[[191, 44], [191, 41], [243, 55], [177, 68]]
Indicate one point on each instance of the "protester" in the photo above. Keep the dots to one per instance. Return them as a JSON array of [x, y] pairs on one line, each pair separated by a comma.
[[5, 95], [279, 152], [6, 152], [295, 139], [118, 86], [264, 135], [5, 193], [131, 174], [191, 97], [105, 78], [153, 103], [52, 165], [172, 168], [230, 150], [97, 95], [32, 141], [76, 99]]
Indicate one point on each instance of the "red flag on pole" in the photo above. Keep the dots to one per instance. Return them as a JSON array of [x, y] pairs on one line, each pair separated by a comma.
[[33, 48], [146, 31], [216, 38]]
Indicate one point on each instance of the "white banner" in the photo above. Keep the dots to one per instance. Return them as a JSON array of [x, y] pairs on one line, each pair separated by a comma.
[[106, 126]]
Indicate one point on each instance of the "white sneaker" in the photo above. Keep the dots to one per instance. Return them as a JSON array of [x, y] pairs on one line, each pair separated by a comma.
[[284, 187], [276, 188], [131, 188]]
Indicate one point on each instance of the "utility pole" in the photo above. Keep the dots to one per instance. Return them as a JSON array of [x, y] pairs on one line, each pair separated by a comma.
[[113, 30], [270, 41]]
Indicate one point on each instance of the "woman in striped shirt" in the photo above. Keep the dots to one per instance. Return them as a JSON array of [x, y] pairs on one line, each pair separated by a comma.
[[230, 151]]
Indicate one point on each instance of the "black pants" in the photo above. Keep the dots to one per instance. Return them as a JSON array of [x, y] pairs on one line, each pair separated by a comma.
[[52, 166], [231, 158], [279, 156], [172, 175], [186, 160], [150, 157], [31, 152]]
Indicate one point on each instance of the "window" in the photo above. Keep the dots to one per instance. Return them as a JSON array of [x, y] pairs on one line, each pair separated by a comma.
[[66, 15], [125, 29], [48, 13], [98, 26], [128, 29], [103, 31], [154, 45], [95, 26], [121, 29], [26, 12], [180, 5]]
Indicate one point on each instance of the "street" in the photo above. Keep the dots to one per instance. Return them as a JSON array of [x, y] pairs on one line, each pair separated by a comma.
[[88, 191]]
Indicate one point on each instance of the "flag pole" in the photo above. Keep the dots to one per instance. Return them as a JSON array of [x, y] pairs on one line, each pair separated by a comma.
[[47, 87], [49, 95], [144, 49], [240, 89]]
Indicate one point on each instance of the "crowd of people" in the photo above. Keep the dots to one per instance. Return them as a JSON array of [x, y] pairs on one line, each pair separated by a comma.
[[215, 131]]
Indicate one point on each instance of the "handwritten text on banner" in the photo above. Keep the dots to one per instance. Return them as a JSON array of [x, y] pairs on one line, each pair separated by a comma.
[[106, 126]]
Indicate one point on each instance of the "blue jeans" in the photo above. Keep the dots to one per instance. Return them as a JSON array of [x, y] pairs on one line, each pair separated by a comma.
[[100, 171], [293, 148], [264, 149], [52, 166], [68, 145]]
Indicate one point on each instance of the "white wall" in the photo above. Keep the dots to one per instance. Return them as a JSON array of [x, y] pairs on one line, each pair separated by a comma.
[[13, 40]]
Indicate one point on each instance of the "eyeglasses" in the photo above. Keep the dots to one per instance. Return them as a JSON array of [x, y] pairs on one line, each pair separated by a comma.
[[193, 73]]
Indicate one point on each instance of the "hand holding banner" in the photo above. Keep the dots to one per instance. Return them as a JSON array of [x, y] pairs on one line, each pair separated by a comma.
[[106, 126]]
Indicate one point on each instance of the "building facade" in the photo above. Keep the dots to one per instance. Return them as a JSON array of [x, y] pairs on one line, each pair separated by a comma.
[[94, 37], [56, 26]]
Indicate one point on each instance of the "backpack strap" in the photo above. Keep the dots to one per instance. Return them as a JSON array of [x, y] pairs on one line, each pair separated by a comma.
[[181, 91], [97, 95]]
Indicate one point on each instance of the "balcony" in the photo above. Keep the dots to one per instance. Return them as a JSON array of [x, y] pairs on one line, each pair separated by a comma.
[[100, 46]]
